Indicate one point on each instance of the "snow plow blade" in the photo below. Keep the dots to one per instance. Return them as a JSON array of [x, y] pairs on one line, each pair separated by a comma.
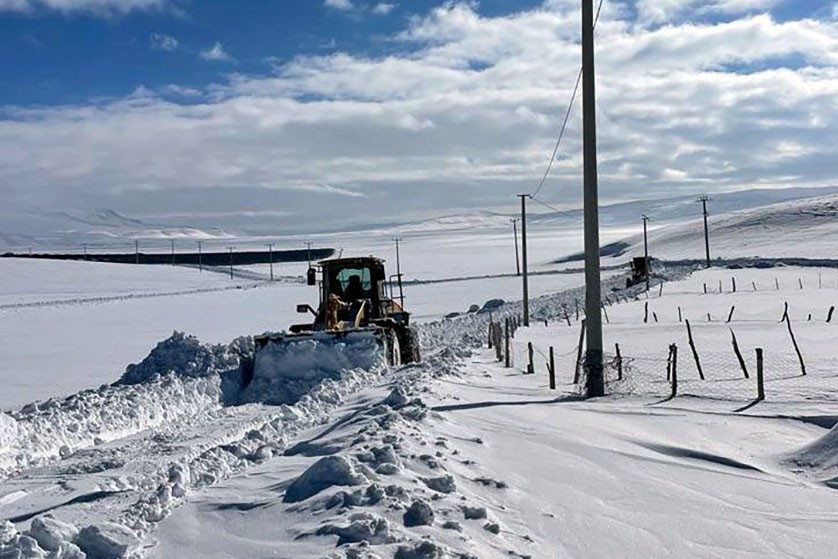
[[314, 356]]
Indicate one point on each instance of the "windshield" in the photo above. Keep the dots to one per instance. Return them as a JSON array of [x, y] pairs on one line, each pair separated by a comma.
[[354, 283]]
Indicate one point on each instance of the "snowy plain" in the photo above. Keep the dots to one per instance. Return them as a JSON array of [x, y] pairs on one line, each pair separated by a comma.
[[455, 457]]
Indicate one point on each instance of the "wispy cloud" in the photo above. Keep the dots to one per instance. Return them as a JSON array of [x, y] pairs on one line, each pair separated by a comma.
[[660, 11], [162, 42], [383, 8], [96, 7], [344, 5], [216, 52]]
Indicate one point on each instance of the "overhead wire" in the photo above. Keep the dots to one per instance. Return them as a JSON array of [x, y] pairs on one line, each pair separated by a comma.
[[566, 118]]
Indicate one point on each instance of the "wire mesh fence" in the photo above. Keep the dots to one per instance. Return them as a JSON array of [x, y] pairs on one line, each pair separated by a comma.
[[723, 375]]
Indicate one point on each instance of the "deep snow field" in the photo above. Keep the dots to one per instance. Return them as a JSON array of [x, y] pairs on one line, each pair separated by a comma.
[[458, 456]]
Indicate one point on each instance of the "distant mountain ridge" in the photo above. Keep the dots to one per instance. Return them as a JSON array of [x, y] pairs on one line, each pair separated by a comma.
[[65, 229]]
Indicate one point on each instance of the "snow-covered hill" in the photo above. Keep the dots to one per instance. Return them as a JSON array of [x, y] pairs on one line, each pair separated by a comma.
[[806, 228]]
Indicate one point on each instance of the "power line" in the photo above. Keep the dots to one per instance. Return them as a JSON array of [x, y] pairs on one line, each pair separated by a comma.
[[566, 118], [546, 205]]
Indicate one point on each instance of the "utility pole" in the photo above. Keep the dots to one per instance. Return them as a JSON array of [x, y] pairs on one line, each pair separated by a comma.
[[231, 261], [523, 198], [173, 251], [399, 271], [85, 250], [704, 199], [308, 244], [136, 251], [271, 257], [646, 251], [200, 258], [514, 221], [593, 296]]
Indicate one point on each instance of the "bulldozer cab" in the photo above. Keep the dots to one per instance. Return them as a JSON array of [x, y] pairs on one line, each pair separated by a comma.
[[353, 279], [353, 293]]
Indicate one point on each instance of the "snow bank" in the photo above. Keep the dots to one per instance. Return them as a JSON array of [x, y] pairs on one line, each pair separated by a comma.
[[8, 430], [821, 456], [186, 356]]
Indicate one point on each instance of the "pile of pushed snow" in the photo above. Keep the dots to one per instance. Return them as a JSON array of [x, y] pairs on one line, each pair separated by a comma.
[[8, 430], [820, 456], [49, 537], [286, 370], [180, 378], [186, 356]]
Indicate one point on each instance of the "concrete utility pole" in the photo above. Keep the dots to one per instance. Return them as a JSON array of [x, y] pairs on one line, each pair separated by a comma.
[[399, 271], [231, 261], [200, 258], [593, 296], [136, 251], [271, 257], [704, 199], [646, 251], [523, 198], [514, 221], [173, 252]]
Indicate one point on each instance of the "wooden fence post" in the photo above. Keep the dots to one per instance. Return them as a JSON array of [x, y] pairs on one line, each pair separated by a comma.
[[579, 353], [705, 288], [680, 319], [508, 361], [674, 351], [720, 286], [800, 283], [498, 348], [733, 283], [645, 312], [796, 348], [730, 316], [660, 291], [754, 285], [605, 314], [739, 354], [491, 331], [530, 366], [829, 314], [619, 362], [669, 365], [760, 378], [655, 316], [777, 284], [551, 368], [695, 353]]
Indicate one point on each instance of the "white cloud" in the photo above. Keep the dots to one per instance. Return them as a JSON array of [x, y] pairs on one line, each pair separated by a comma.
[[383, 8], [338, 4], [465, 113], [216, 52], [660, 11], [103, 7], [162, 42]]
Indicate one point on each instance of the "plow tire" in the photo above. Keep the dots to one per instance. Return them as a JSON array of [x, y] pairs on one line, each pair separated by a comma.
[[409, 341]]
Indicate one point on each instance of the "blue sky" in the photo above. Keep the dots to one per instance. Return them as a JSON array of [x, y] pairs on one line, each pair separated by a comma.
[[215, 112], [59, 56]]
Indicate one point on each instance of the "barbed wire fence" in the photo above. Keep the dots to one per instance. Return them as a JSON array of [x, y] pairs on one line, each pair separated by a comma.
[[734, 376]]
